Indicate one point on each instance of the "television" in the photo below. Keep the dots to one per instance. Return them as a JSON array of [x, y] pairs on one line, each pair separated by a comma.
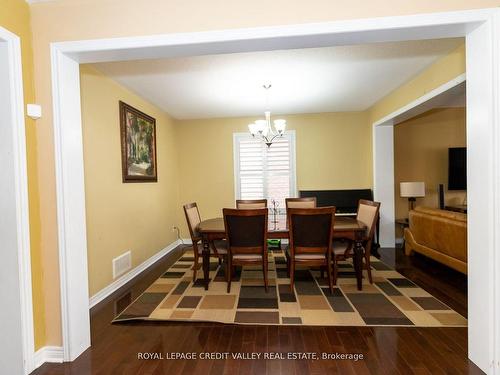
[[457, 168]]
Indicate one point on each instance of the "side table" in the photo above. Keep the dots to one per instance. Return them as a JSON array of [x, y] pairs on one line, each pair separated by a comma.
[[403, 223]]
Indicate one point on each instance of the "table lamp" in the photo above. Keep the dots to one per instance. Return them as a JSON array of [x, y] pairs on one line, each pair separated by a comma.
[[412, 190]]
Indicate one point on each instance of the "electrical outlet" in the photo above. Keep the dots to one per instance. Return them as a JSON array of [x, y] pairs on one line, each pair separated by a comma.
[[176, 230]]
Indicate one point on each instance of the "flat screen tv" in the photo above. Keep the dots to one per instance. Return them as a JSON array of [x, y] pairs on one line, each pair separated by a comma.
[[457, 168]]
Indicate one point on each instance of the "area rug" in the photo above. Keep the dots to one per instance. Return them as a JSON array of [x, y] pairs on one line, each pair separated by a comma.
[[392, 300]]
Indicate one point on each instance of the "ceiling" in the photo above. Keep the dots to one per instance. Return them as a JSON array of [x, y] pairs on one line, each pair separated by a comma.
[[453, 97], [332, 79]]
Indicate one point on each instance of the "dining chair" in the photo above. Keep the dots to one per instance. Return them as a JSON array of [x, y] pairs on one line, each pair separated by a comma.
[[311, 240], [309, 202], [249, 204], [193, 219], [246, 233], [368, 212]]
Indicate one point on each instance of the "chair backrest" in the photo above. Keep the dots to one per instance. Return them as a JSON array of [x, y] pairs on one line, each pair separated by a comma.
[[246, 230], [368, 215], [193, 220], [250, 204], [309, 202], [311, 229]]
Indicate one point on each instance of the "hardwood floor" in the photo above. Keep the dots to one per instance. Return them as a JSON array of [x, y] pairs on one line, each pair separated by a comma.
[[386, 350]]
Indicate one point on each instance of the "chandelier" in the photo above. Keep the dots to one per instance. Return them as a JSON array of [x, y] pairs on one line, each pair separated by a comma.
[[263, 128]]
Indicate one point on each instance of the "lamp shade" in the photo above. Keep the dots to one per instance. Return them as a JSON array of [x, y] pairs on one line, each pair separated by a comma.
[[253, 128], [412, 189], [280, 125]]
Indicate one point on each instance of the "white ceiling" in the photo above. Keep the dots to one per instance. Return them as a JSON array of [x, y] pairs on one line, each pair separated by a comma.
[[333, 79]]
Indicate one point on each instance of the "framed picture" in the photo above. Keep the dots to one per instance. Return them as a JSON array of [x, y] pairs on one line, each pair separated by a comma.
[[138, 139]]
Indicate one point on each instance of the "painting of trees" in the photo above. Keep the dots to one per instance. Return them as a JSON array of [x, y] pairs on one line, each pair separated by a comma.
[[138, 145]]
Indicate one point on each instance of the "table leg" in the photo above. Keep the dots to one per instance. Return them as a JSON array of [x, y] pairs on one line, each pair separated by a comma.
[[206, 262], [358, 262]]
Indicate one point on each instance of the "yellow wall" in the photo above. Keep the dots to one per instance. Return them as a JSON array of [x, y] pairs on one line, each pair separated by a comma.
[[15, 17], [85, 19], [444, 70], [332, 152], [421, 154], [122, 217]]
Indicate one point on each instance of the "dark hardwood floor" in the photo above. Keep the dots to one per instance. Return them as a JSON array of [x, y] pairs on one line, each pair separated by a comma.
[[386, 350]]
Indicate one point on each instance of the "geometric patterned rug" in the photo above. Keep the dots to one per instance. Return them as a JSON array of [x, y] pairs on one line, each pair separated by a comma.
[[392, 300]]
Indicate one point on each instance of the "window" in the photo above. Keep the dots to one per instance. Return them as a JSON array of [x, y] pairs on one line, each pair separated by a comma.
[[262, 172]]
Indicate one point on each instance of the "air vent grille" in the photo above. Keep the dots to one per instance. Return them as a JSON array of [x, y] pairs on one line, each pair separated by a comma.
[[122, 264]]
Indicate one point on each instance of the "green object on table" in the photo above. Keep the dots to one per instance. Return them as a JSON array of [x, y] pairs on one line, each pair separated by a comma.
[[273, 244]]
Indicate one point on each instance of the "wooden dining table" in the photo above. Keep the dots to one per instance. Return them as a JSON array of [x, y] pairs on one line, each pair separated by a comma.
[[344, 227]]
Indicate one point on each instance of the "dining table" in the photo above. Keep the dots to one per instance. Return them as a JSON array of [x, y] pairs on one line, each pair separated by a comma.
[[344, 228]]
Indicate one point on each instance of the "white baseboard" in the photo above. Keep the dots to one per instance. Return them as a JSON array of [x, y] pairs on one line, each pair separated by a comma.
[[122, 280], [187, 241], [51, 354]]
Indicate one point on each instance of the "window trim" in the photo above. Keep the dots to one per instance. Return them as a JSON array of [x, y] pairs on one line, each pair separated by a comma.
[[293, 162]]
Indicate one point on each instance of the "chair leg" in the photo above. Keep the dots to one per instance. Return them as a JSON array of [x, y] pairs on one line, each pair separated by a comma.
[[368, 248], [228, 273], [220, 260], [264, 268], [335, 271], [292, 273], [288, 267], [368, 268], [195, 266], [330, 278]]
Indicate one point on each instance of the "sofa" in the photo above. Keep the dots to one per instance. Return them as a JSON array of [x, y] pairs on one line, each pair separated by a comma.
[[438, 234]]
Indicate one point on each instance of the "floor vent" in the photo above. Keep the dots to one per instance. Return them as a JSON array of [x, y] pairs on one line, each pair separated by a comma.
[[122, 264]]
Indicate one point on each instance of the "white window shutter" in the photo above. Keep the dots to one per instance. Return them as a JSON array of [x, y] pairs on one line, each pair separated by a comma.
[[262, 172]]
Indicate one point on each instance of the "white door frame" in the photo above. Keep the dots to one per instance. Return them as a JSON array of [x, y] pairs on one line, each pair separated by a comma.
[[482, 118], [16, 204], [383, 180], [383, 155]]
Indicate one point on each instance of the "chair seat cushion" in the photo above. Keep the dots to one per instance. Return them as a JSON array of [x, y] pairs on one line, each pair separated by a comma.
[[220, 245], [310, 256], [247, 256], [339, 247]]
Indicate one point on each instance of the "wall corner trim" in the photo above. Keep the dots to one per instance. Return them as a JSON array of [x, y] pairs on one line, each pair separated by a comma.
[[51, 354], [122, 280]]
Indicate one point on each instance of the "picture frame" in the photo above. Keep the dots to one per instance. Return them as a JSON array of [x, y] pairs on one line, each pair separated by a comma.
[[138, 145]]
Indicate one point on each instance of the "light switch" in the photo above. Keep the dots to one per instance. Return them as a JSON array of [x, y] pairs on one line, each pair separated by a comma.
[[34, 111]]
